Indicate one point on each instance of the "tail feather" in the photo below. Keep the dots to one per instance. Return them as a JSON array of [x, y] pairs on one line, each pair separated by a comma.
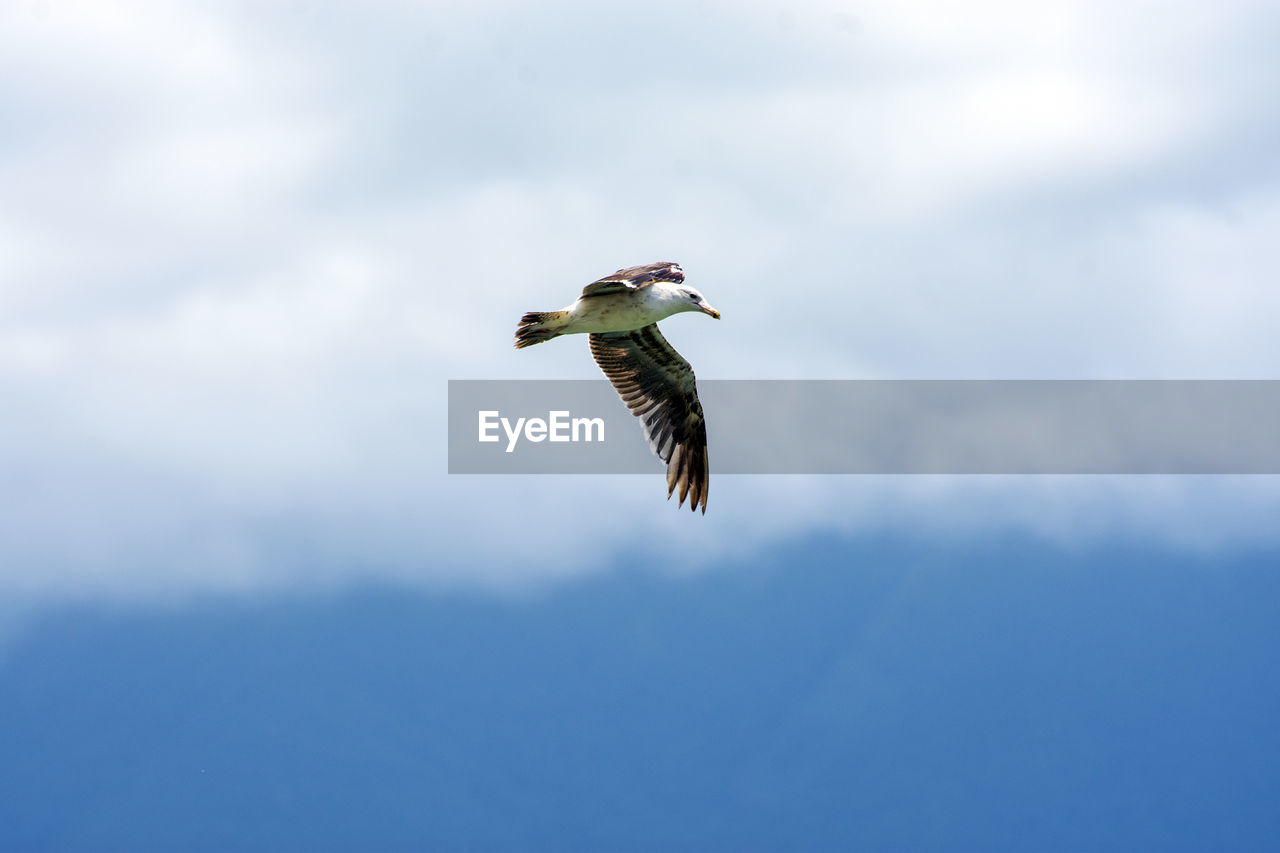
[[538, 326]]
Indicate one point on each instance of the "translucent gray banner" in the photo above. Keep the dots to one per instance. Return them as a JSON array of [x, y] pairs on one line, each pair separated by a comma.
[[882, 427]]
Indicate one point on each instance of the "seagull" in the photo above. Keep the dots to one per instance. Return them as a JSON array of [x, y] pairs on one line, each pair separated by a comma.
[[620, 314]]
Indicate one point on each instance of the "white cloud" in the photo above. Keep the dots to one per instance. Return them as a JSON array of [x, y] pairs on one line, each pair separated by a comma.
[[242, 249]]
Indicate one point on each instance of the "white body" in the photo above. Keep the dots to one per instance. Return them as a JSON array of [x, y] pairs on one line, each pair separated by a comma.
[[626, 310]]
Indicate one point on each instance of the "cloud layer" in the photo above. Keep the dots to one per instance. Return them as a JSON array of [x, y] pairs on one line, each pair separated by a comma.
[[242, 250]]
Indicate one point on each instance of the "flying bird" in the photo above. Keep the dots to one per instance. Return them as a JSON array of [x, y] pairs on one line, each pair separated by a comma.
[[620, 314]]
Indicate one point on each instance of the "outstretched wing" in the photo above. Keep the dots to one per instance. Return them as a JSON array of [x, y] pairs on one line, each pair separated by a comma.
[[634, 278], [658, 387]]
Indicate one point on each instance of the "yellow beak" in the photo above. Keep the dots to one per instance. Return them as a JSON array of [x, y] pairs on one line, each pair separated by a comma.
[[707, 309]]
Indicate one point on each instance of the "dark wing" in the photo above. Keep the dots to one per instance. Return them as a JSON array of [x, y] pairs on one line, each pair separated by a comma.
[[634, 278], [658, 387]]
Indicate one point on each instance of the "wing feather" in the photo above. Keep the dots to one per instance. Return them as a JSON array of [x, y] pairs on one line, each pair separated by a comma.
[[658, 386], [634, 278]]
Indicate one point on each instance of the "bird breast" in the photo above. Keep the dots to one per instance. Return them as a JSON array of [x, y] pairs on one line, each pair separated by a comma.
[[619, 312]]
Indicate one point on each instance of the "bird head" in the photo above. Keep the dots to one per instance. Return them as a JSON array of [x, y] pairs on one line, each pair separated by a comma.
[[699, 303]]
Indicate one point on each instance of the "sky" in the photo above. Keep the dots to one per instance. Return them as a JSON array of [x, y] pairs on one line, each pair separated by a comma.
[[244, 246]]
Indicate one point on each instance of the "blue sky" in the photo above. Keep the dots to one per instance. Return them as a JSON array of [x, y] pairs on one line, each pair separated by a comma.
[[824, 695], [243, 248]]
